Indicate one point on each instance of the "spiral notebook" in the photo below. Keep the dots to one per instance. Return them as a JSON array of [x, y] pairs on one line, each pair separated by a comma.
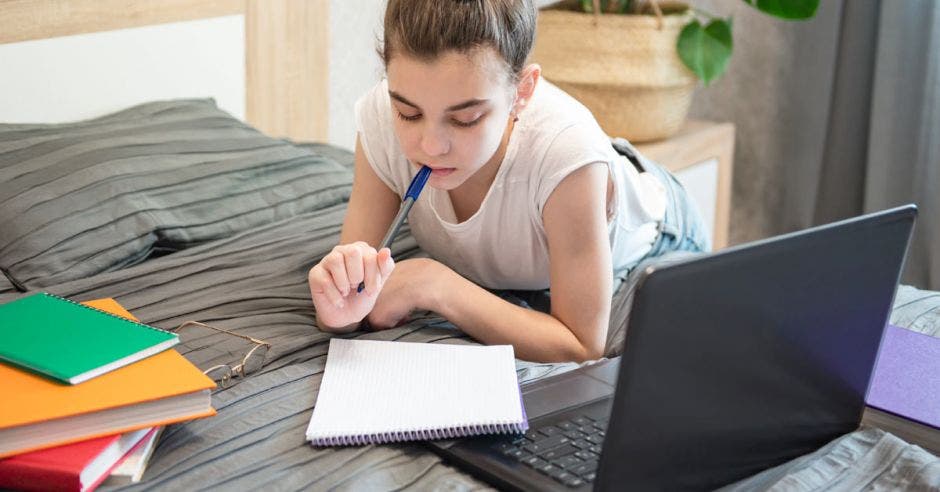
[[70, 342], [377, 392]]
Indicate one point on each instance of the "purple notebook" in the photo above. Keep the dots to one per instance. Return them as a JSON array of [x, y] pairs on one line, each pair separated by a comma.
[[906, 381]]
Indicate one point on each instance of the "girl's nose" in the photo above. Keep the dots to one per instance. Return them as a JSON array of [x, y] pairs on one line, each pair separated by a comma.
[[434, 142]]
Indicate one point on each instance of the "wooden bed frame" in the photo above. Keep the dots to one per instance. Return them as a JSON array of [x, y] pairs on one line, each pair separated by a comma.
[[287, 47]]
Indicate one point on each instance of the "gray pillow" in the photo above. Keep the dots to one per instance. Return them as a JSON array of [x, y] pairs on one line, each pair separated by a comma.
[[82, 198]]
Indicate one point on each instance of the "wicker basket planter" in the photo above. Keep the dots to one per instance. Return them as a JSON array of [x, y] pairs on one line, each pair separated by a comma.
[[624, 68]]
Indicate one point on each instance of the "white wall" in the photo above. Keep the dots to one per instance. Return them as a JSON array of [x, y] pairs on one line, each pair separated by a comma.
[[60, 79], [354, 64]]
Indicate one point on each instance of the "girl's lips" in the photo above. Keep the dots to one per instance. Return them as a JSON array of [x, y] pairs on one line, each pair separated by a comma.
[[442, 171]]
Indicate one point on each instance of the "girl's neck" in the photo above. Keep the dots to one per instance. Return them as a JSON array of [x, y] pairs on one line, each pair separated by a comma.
[[468, 197]]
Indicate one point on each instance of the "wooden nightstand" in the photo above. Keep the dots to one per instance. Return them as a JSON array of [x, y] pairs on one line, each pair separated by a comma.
[[700, 155]]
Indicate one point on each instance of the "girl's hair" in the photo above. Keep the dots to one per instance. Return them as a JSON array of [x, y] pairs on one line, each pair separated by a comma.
[[425, 29]]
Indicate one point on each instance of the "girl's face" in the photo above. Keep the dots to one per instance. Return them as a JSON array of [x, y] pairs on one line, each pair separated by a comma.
[[452, 113]]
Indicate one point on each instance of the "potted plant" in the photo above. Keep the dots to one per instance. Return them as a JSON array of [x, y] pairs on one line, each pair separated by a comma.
[[635, 63]]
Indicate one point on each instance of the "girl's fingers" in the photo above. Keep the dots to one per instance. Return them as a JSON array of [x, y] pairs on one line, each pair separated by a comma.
[[354, 268], [322, 283], [335, 264], [385, 262], [371, 271]]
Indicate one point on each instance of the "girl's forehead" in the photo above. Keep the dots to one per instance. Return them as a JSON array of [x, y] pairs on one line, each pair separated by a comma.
[[473, 74]]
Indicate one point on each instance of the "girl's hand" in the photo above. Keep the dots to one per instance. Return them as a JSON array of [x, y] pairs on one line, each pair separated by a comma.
[[334, 281], [414, 285]]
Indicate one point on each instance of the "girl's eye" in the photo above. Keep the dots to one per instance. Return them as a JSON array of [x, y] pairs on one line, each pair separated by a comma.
[[415, 117], [467, 124]]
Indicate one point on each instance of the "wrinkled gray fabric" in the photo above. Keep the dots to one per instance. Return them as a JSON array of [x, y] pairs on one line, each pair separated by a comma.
[[77, 199], [254, 283]]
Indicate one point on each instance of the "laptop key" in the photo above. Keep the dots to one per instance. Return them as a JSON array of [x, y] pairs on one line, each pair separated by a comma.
[[569, 461], [549, 442], [534, 448], [532, 460], [564, 477], [589, 477], [585, 468], [504, 446], [567, 426], [515, 453], [595, 439], [574, 482], [508, 450], [549, 469], [549, 430], [558, 452], [582, 444], [585, 455], [574, 434], [595, 449], [582, 420]]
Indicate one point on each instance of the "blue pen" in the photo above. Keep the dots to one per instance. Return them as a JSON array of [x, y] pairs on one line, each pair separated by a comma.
[[414, 189]]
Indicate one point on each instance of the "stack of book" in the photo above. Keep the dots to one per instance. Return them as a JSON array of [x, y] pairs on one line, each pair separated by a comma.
[[86, 390]]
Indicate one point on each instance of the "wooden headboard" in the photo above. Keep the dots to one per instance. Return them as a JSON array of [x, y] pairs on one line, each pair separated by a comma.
[[286, 47]]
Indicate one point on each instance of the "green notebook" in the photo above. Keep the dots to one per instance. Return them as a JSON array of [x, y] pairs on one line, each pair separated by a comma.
[[71, 342]]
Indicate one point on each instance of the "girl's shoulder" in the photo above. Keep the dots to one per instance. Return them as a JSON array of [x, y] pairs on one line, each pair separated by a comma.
[[561, 121], [558, 131]]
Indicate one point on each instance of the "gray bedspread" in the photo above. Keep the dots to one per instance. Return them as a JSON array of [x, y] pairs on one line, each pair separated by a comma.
[[255, 283]]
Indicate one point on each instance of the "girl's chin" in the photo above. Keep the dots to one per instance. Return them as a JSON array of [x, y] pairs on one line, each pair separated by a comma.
[[444, 181]]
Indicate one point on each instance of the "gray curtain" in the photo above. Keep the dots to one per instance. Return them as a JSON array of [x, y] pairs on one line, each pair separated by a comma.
[[835, 117]]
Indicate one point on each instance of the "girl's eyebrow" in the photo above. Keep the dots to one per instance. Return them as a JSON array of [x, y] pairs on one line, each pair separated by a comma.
[[456, 107]]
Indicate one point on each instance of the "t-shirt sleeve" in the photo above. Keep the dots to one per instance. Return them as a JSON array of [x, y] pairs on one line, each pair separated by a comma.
[[373, 125], [574, 147]]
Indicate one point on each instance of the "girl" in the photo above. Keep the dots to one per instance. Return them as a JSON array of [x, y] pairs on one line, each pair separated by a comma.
[[526, 192]]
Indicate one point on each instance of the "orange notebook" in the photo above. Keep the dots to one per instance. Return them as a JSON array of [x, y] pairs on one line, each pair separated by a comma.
[[39, 413]]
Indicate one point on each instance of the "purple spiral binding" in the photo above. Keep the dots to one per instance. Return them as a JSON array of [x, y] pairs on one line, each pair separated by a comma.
[[424, 434]]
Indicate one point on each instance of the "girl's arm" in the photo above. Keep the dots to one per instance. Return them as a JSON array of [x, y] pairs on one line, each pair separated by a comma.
[[575, 219], [372, 205]]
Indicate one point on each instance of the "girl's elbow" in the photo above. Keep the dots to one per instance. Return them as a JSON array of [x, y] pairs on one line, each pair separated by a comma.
[[588, 352], [336, 330]]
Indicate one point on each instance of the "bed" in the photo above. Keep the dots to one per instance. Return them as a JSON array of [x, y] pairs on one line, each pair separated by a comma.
[[181, 211]]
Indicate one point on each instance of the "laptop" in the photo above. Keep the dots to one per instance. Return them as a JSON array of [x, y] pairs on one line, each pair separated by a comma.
[[733, 362]]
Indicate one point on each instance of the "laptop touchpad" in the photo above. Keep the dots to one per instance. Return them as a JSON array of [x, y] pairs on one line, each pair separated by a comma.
[[564, 394]]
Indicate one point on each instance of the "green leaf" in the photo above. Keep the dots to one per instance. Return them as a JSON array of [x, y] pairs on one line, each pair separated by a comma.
[[706, 51], [787, 9], [608, 6]]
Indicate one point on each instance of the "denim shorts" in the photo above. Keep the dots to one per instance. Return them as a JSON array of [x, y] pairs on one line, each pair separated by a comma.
[[682, 229]]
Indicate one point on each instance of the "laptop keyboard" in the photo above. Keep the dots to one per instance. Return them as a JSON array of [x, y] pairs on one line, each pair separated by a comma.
[[567, 451]]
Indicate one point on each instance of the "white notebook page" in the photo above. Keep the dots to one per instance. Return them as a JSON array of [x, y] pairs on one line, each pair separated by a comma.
[[373, 389]]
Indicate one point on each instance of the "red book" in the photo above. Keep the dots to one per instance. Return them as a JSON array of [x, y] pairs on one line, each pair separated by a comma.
[[79, 466]]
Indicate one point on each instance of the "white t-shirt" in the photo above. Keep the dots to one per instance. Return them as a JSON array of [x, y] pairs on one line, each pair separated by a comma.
[[503, 245]]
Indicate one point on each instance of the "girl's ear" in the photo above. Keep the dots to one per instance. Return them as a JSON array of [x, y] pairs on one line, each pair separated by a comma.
[[528, 79]]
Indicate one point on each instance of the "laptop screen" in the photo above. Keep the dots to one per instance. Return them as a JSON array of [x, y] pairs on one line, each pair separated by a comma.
[[742, 360]]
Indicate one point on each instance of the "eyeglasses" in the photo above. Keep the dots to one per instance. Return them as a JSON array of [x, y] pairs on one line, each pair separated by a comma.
[[202, 347]]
